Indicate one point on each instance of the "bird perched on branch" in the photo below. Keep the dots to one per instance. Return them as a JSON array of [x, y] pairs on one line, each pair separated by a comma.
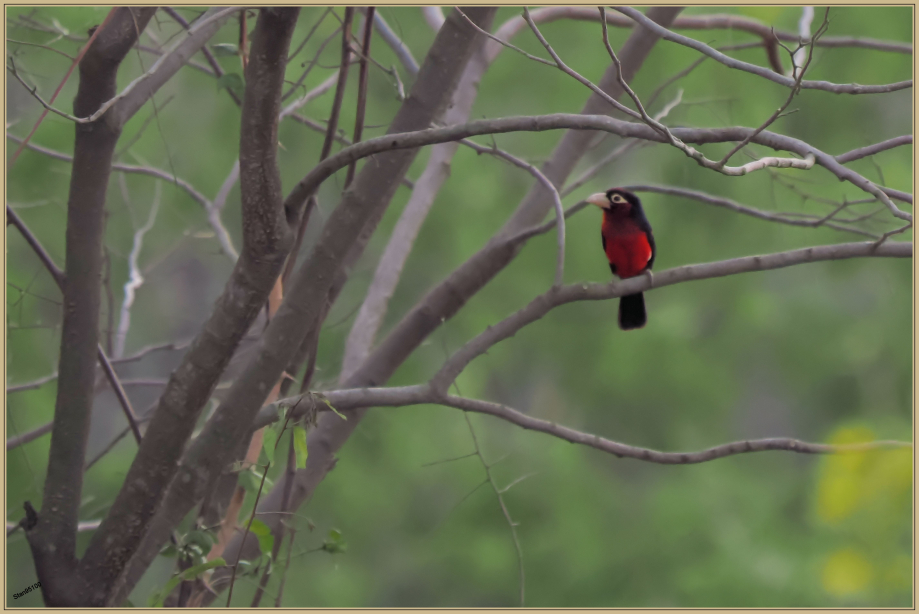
[[629, 247]]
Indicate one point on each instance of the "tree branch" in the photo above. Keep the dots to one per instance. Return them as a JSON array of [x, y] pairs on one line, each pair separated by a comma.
[[53, 538], [731, 205], [308, 185], [395, 43], [266, 240], [343, 238], [836, 88], [212, 209], [544, 303], [870, 150]]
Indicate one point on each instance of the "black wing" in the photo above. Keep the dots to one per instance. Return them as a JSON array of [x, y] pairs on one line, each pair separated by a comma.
[[638, 214]]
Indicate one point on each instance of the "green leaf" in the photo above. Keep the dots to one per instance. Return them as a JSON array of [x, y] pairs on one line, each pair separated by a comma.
[[300, 446], [205, 539], [251, 480], [335, 544], [269, 443], [225, 50], [263, 533], [337, 413], [233, 82], [156, 599]]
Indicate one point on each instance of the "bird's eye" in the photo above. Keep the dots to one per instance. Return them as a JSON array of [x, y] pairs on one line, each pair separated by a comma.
[[617, 199]]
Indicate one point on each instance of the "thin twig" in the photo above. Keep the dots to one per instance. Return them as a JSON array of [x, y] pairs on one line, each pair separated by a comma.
[[329, 137], [135, 278], [693, 153], [396, 44], [248, 528], [58, 276], [309, 67], [870, 150], [556, 200], [799, 76], [507, 515], [726, 203], [836, 88], [361, 89], [76, 61], [311, 95], [215, 65], [46, 47], [210, 208]]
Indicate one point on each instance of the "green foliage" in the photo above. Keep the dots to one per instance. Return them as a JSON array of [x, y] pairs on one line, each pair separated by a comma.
[[859, 500], [263, 532], [156, 599], [300, 450], [334, 543], [232, 81]]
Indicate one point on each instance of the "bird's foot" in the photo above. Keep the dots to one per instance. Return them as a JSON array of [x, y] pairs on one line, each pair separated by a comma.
[[650, 277]]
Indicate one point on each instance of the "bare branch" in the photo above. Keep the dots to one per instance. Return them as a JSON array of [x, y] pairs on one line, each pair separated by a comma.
[[136, 94], [434, 15], [346, 400], [135, 279], [726, 203], [852, 88], [313, 62], [215, 65], [361, 88], [593, 122], [399, 48], [622, 450], [266, 241], [669, 137], [435, 390], [544, 181], [507, 515], [804, 30], [311, 95], [870, 150], [798, 69], [544, 303], [350, 224], [18, 440], [211, 209], [52, 538], [389, 270]]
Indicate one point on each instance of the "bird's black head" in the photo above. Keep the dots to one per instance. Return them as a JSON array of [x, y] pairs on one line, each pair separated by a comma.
[[616, 200]]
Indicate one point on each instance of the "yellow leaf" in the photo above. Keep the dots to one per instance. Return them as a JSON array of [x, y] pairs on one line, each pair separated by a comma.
[[847, 572]]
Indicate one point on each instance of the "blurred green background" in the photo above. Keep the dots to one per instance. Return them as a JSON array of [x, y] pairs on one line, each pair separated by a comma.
[[820, 352]]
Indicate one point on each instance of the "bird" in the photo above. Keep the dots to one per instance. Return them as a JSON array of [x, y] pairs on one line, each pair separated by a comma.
[[629, 246]]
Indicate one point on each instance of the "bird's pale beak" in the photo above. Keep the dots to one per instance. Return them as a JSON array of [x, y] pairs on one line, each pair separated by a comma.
[[598, 199]]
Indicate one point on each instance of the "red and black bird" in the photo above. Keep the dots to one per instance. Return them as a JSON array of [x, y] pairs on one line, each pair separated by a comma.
[[629, 247]]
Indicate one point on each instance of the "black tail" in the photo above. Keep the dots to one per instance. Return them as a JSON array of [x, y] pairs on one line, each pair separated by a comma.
[[632, 311]]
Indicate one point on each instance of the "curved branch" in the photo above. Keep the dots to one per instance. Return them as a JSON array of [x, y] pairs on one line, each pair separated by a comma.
[[622, 450], [136, 94], [836, 88], [870, 150], [538, 123], [698, 22], [556, 199], [544, 303], [729, 204], [435, 391], [212, 209], [344, 400]]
